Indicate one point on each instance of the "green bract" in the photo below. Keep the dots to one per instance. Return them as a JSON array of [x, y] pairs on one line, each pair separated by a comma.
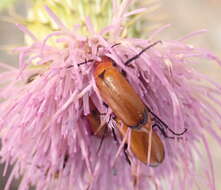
[[76, 12]]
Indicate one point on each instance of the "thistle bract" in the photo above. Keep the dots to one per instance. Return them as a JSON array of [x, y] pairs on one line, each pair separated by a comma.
[[47, 137]]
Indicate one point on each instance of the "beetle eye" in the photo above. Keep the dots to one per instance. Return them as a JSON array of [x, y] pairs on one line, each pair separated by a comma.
[[114, 64], [102, 75], [124, 73]]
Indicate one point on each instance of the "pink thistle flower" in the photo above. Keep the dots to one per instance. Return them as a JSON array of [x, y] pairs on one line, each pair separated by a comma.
[[47, 137]]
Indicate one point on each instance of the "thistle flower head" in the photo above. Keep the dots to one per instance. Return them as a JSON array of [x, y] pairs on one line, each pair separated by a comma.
[[44, 129], [101, 14]]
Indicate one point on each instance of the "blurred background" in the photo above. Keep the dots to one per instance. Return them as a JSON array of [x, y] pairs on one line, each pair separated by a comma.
[[184, 16]]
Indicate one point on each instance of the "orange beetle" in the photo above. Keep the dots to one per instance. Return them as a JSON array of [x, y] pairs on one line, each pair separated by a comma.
[[119, 94], [128, 108], [139, 141], [145, 145]]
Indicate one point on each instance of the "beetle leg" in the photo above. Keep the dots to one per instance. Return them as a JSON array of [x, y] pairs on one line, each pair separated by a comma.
[[114, 135], [162, 130], [126, 155], [156, 118], [66, 157], [125, 146], [102, 139]]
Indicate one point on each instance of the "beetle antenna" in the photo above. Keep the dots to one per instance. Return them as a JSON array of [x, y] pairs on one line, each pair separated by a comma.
[[117, 44], [90, 60], [141, 52], [166, 126], [84, 62]]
